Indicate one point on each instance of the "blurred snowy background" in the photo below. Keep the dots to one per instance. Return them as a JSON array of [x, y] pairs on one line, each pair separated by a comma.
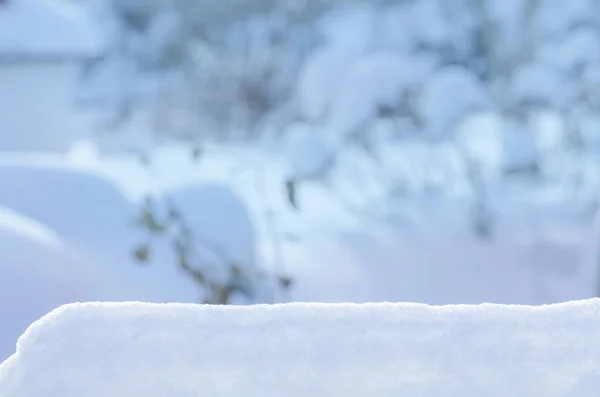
[[241, 151]]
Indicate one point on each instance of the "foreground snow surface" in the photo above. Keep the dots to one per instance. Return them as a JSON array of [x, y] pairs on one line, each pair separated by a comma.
[[383, 349]]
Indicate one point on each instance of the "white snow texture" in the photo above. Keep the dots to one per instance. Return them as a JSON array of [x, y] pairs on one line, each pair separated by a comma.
[[350, 350]]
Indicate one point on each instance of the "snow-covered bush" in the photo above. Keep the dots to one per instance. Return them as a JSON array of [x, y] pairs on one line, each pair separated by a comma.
[[213, 242], [380, 103]]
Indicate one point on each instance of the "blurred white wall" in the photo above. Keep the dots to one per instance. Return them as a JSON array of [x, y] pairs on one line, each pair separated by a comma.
[[36, 106], [42, 46]]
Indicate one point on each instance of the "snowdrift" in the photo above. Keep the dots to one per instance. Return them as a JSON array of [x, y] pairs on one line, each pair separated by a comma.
[[350, 350]]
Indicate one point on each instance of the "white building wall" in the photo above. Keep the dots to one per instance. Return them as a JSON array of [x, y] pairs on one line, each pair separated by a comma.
[[37, 106]]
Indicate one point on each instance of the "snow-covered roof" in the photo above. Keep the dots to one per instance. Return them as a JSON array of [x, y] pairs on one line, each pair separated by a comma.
[[45, 29]]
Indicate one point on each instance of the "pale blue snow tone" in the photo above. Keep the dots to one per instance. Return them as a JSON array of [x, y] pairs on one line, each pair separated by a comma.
[[335, 350]]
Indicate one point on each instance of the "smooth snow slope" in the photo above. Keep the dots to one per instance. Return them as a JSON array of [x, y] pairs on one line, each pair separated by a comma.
[[328, 350]]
